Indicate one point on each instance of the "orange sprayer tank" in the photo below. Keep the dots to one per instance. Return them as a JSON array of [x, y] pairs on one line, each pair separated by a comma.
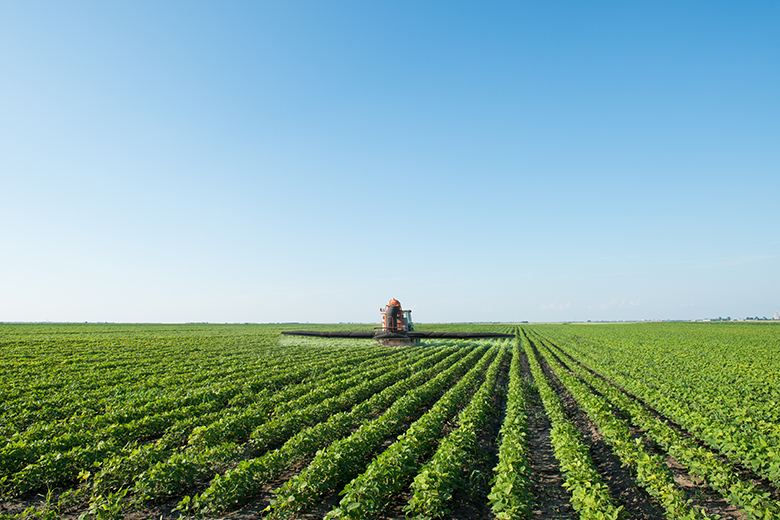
[[394, 318]]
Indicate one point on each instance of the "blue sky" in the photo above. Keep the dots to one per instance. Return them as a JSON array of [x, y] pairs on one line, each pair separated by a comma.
[[308, 161]]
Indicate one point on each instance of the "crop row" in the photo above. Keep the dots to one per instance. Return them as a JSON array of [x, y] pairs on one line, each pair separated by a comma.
[[234, 418], [718, 474], [176, 475], [739, 417], [60, 382], [650, 470], [346, 458], [510, 496], [83, 428], [368, 494], [439, 478], [239, 484], [589, 495], [94, 445]]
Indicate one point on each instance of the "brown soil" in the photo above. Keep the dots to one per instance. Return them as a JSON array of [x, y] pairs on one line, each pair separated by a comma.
[[623, 488], [763, 484], [551, 500], [472, 502], [696, 491], [254, 508]]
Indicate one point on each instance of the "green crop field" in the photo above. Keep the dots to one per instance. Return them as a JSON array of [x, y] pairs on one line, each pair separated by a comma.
[[649, 421]]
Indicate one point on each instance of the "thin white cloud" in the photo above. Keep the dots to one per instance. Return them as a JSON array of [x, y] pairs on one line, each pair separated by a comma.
[[614, 302], [555, 306], [609, 305]]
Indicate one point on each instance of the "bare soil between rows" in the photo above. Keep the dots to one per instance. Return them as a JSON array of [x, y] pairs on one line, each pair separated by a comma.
[[551, 498], [698, 493], [763, 484], [622, 485]]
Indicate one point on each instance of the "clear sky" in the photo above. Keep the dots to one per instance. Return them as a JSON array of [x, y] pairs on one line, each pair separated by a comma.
[[308, 161]]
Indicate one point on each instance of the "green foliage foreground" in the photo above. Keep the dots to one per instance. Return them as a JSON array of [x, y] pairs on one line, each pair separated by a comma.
[[98, 421]]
